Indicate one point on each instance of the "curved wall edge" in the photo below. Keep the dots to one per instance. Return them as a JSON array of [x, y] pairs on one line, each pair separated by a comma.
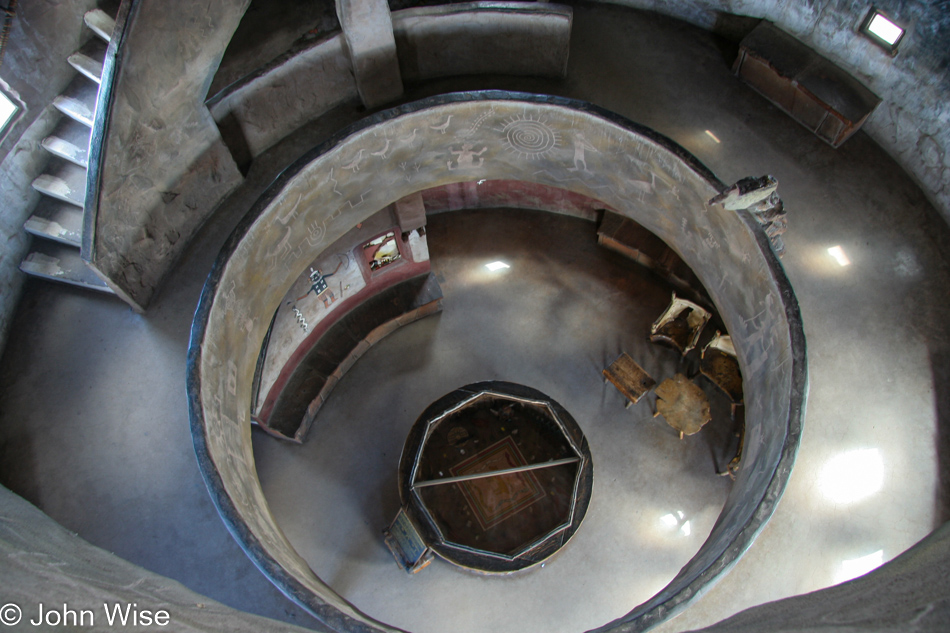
[[548, 140]]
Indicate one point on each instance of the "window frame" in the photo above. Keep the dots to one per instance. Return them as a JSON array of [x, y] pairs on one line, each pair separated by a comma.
[[17, 111], [864, 29]]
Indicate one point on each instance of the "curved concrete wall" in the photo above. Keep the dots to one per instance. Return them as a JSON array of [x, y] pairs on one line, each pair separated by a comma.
[[493, 136], [908, 593], [514, 38], [163, 167], [167, 169], [510, 38], [273, 104], [43, 562], [913, 122]]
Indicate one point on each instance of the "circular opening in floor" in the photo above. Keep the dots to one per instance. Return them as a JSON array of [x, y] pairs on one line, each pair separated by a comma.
[[496, 477]]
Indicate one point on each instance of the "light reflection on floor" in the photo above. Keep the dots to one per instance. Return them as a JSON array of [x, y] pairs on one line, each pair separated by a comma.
[[540, 322]]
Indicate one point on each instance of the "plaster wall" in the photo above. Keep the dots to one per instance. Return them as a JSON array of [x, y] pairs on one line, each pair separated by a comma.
[[913, 121], [293, 91], [17, 200], [511, 38], [462, 39], [492, 136], [164, 166]]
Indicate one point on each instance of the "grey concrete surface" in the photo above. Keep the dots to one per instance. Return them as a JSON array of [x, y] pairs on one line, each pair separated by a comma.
[[470, 38], [907, 594], [368, 32], [513, 38], [301, 87], [54, 580], [108, 455], [163, 168]]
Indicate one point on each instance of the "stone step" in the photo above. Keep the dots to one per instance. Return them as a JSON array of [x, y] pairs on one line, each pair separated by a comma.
[[89, 59], [101, 23], [58, 262], [56, 220], [69, 140], [78, 101], [63, 181]]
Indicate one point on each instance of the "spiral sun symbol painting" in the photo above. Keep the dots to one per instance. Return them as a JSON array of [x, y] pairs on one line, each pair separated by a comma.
[[530, 138]]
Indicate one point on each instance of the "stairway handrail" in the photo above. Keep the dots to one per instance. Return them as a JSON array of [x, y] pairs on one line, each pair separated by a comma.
[[100, 128]]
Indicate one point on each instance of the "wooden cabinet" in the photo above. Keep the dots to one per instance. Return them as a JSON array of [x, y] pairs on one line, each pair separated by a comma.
[[809, 88]]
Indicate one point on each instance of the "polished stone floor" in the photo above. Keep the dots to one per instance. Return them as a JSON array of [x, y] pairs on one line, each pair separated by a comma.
[[563, 311], [93, 418]]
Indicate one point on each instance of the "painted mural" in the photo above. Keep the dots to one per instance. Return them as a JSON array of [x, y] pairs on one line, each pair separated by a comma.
[[343, 271]]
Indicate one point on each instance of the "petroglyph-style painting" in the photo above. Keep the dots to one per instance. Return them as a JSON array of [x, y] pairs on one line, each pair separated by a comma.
[[530, 139], [581, 146], [315, 294], [466, 157], [320, 291]]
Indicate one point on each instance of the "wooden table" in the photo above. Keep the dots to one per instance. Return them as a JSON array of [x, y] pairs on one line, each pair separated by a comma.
[[682, 404], [629, 378]]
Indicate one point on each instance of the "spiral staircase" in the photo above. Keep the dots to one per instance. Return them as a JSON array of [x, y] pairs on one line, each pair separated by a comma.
[[57, 220]]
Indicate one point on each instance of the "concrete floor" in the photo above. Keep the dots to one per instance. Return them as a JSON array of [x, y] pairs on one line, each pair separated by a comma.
[[562, 312], [93, 420]]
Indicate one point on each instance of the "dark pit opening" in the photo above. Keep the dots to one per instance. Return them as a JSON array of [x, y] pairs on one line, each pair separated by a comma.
[[496, 476]]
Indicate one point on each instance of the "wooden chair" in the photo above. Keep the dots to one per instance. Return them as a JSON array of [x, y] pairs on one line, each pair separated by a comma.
[[720, 365], [629, 378], [680, 325]]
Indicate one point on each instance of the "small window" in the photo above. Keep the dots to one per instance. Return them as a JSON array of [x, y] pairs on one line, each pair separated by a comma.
[[8, 110], [882, 30]]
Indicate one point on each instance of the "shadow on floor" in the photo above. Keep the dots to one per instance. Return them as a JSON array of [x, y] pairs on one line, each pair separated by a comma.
[[940, 366]]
